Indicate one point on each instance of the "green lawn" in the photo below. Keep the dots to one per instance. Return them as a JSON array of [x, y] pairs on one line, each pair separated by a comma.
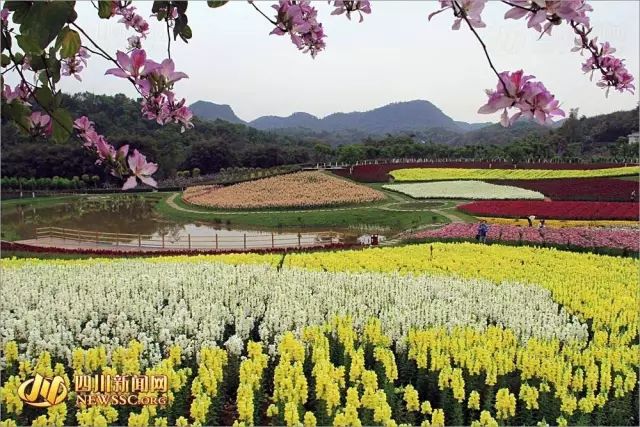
[[343, 218], [41, 201]]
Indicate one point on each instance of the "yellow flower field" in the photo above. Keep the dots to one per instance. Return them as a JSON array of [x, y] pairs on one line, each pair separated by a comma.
[[338, 370], [301, 189], [444, 174]]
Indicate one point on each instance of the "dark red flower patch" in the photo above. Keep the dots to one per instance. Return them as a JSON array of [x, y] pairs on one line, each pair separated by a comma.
[[603, 189], [380, 172], [21, 247], [554, 210]]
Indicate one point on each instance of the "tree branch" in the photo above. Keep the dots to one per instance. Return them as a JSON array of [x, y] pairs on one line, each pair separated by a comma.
[[517, 6], [262, 13], [95, 52], [104, 54], [463, 15], [168, 37]]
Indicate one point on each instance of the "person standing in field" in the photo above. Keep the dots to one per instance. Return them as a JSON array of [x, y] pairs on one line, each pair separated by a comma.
[[530, 219], [483, 229]]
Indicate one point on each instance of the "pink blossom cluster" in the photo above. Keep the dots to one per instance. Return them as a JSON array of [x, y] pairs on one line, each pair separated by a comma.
[[531, 99], [20, 94], [621, 238], [72, 66], [40, 124], [136, 166], [154, 82], [162, 15], [132, 20], [4, 16], [614, 72], [550, 11], [134, 43], [298, 18], [471, 9], [349, 6]]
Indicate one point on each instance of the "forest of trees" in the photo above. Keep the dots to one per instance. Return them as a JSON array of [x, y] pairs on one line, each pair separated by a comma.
[[211, 146]]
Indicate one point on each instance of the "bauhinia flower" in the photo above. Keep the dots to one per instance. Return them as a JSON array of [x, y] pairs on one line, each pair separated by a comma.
[[552, 11], [613, 71], [298, 18], [164, 109], [165, 75], [140, 169], [471, 9], [133, 66], [134, 43], [20, 94], [72, 66], [515, 90], [40, 124], [132, 20], [115, 160], [346, 6]]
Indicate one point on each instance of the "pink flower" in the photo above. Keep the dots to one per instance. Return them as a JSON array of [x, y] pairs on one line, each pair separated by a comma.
[[163, 109], [132, 20], [532, 99], [20, 94], [83, 124], [40, 124], [133, 66], [73, 66], [105, 151], [472, 9], [345, 6], [134, 43], [141, 170], [4, 15], [298, 18], [550, 11], [166, 73]]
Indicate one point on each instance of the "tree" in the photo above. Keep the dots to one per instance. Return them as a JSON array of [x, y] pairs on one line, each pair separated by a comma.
[[47, 41]]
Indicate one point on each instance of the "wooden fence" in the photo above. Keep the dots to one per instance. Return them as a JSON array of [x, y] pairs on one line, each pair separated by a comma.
[[67, 236]]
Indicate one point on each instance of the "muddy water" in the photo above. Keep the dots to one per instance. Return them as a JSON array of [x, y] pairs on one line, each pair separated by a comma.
[[131, 220]]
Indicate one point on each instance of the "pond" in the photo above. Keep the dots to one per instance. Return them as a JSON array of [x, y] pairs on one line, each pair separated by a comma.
[[130, 220]]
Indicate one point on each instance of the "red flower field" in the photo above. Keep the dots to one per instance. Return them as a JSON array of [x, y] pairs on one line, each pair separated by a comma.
[[554, 210], [604, 189], [380, 172]]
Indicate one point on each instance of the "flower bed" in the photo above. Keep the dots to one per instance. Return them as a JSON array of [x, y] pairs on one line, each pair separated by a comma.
[[475, 190], [580, 237], [604, 189], [564, 223], [554, 210], [302, 189], [438, 333], [380, 172], [442, 174]]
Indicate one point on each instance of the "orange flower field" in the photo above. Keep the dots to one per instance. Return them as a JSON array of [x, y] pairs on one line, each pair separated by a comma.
[[301, 189]]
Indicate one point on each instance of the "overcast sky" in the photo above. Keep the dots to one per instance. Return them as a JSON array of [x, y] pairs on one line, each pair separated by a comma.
[[394, 55]]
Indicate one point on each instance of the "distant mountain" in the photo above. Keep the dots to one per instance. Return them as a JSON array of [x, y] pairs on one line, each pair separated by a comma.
[[206, 110], [294, 121], [468, 127], [391, 118], [500, 135]]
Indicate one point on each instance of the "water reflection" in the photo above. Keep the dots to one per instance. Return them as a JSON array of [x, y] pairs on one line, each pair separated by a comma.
[[130, 220]]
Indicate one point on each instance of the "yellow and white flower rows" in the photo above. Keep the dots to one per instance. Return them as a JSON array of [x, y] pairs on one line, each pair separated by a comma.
[[191, 305], [442, 174], [475, 190], [434, 334]]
